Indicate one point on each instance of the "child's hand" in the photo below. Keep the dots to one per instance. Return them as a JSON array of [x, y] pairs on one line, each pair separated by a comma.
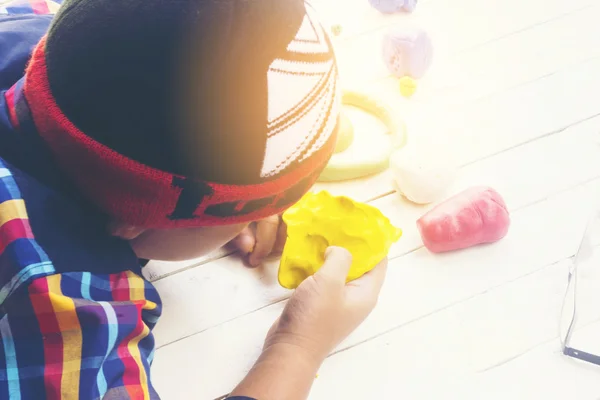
[[320, 314], [324, 309], [261, 239]]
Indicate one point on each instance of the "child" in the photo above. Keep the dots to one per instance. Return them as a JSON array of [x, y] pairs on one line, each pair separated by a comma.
[[157, 129]]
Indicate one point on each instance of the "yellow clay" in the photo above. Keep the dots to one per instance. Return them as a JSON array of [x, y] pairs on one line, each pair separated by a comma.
[[320, 220], [408, 86]]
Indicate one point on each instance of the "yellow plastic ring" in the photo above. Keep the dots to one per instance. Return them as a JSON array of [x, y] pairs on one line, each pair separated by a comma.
[[340, 171]]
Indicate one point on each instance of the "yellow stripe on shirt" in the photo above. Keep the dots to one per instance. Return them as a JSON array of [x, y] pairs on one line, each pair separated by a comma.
[[136, 294], [137, 288], [12, 209], [68, 323], [134, 350]]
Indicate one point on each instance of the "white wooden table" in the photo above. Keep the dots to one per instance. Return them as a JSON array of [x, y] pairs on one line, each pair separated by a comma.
[[514, 94]]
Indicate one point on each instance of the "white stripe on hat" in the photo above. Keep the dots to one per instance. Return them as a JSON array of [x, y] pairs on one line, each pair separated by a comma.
[[304, 99]]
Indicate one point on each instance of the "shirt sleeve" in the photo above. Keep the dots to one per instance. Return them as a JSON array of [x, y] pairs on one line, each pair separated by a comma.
[[79, 336], [240, 398], [19, 33]]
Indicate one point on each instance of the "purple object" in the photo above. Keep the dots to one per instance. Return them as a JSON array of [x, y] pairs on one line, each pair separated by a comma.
[[407, 52], [393, 6]]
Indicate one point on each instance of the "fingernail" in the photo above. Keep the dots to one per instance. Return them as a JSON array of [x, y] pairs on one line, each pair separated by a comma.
[[253, 261], [330, 250], [341, 252]]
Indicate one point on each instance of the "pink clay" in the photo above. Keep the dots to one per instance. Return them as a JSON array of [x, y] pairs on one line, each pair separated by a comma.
[[477, 215]]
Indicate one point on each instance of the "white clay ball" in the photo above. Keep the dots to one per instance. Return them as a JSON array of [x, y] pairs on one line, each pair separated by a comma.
[[421, 174]]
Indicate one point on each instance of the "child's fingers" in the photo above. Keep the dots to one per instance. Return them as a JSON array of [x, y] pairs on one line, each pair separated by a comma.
[[368, 286], [336, 266], [266, 236], [281, 237], [244, 242]]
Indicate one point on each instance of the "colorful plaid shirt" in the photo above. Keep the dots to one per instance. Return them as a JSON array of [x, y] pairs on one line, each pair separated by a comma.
[[76, 314]]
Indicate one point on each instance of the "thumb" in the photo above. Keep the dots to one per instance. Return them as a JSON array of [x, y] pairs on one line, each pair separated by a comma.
[[336, 266]]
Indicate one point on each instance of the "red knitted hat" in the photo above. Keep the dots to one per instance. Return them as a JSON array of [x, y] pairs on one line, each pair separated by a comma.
[[296, 139]]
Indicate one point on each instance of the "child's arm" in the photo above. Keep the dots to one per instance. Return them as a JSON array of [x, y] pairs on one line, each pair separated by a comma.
[[283, 371], [320, 314]]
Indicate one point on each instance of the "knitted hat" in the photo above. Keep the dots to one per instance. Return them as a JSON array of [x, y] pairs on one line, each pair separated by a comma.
[[182, 113]]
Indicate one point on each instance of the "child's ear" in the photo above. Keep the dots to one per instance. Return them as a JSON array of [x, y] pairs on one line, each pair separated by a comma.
[[124, 231]]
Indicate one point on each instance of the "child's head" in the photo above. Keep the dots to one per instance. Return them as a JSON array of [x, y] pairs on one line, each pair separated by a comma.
[[184, 120]]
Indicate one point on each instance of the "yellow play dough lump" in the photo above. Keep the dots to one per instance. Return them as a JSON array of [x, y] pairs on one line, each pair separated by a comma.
[[320, 220]]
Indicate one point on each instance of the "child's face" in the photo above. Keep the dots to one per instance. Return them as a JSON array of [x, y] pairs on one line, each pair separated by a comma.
[[175, 244]]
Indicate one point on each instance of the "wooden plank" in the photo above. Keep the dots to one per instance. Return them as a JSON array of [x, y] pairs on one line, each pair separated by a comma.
[[505, 62], [545, 373], [541, 234], [505, 118], [203, 297], [539, 374], [459, 340], [156, 270], [473, 343]]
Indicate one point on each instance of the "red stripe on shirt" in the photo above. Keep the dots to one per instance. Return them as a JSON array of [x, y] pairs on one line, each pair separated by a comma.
[[119, 285], [12, 230], [53, 341], [9, 96], [131, 375]]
